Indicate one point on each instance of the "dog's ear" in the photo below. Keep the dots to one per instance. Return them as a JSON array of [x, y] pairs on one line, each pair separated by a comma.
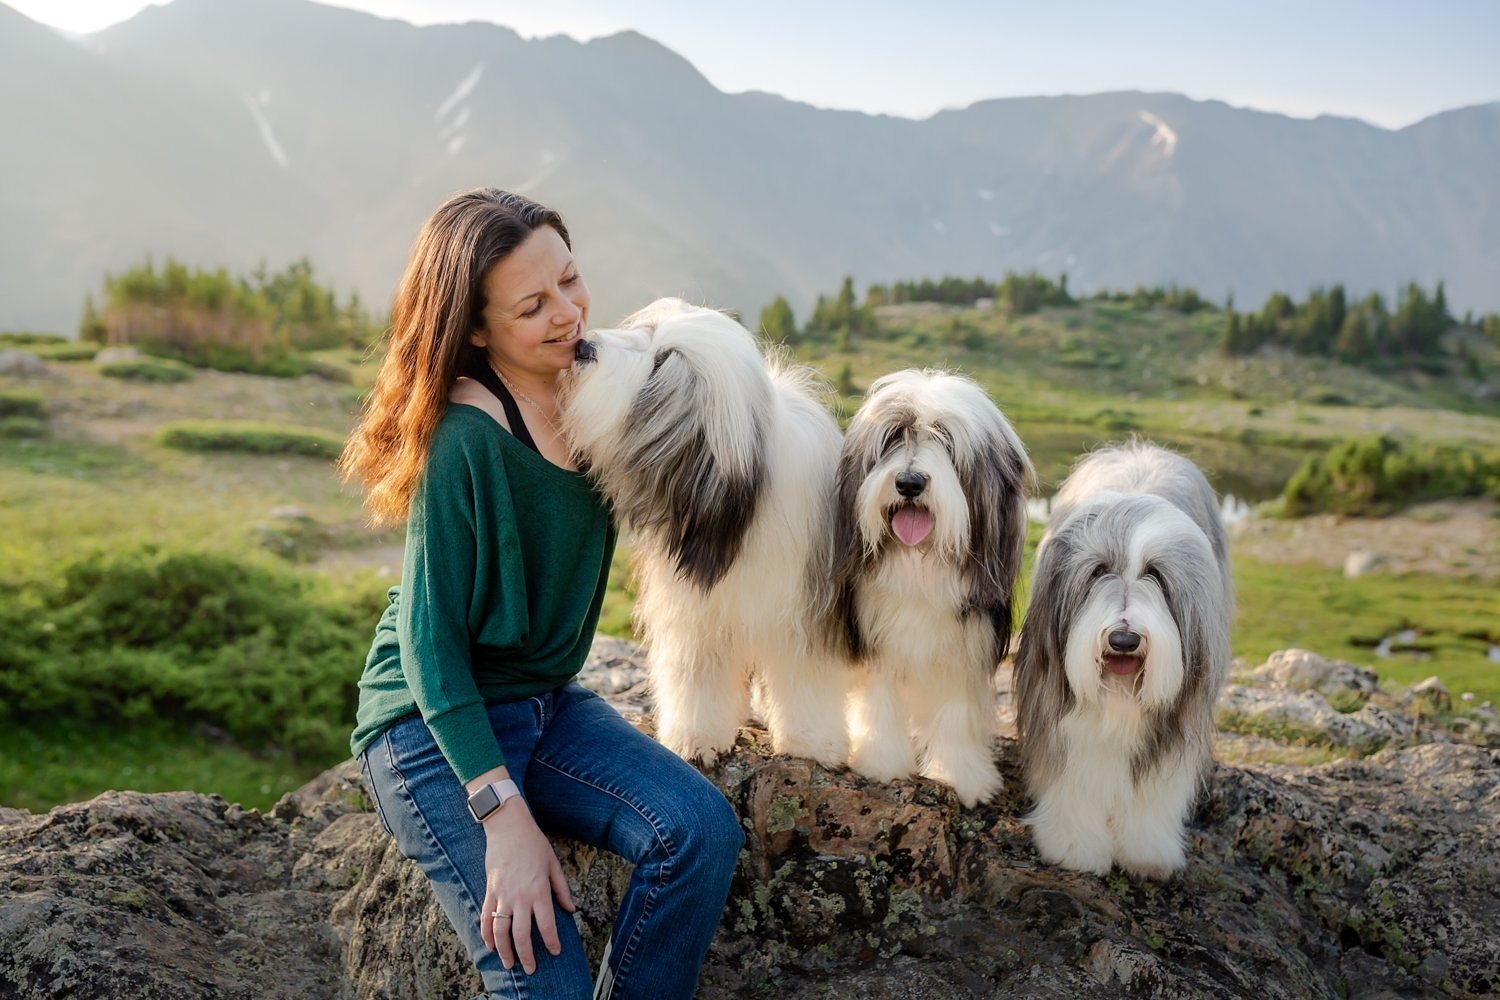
[[850, 553], [1041, 682], [702, 502], [995, 479]]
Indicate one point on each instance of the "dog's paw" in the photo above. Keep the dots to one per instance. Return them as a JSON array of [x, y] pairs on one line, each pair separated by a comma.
[[828, 751], [1152, 859], [695, 749], [1078, 847], [883, 760], [975, 781]]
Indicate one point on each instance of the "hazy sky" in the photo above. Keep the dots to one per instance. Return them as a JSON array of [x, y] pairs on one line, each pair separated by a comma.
[[1390, 62]]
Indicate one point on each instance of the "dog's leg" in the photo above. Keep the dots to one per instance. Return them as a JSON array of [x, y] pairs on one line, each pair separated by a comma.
[[1149, 832], [956, 725], [804, 704], [1070, 823], [880, 741], [700, 694]]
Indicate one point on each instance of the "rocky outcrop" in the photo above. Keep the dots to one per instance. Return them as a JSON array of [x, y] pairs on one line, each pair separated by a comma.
[[1373, 877]]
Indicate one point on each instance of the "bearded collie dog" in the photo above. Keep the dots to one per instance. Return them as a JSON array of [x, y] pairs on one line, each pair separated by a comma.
[[1123, 652], [719, 461], [930, 528]]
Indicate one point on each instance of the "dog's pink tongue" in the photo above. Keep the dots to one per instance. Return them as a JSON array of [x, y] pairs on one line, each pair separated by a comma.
[[1122, 664], [911, 524]]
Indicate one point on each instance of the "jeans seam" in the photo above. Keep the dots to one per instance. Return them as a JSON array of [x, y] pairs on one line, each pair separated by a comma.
[[622, 965], [517, 985]]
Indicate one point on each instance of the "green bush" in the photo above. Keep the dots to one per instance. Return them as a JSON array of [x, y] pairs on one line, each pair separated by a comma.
[[266, 654], [26, 338], [251, 438], [22, 403], [1378, 475], [22, 427], [148, 370]]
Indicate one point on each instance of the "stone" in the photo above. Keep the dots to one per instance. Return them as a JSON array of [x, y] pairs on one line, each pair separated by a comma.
[[1361, 562], [23, 364], [117, 353], [1365, 877], [1301, 670], [1431, 695]]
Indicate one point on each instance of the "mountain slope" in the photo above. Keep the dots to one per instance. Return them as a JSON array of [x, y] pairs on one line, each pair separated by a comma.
[[231, 132]]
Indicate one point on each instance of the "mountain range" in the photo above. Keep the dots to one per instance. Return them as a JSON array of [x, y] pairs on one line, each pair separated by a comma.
[[240, 132]]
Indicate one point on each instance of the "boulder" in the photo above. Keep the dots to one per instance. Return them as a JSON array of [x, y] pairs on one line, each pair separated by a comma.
[[1301, 670], [1372, 877]]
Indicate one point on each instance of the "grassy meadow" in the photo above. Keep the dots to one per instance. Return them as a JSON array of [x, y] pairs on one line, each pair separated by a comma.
[[189, 590]]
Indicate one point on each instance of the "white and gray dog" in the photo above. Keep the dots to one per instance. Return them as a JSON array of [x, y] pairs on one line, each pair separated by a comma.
[[1123, 652], [720, 462], [931, 526]]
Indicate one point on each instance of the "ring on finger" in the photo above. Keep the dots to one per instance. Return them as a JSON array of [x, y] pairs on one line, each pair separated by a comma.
[[497, 915]]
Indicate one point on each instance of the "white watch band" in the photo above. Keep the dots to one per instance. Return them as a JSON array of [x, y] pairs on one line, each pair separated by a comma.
[[487, 799]]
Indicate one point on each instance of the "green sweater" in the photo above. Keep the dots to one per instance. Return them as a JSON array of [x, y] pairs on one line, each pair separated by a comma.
[[507, 558]]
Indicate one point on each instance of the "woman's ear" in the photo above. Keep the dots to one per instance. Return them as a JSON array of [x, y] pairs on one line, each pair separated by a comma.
[[477, 338]]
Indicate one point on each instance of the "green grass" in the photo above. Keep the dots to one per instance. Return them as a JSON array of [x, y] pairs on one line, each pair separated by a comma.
[[99, 481], [148, 370], [250, 438], [43, 766], [1318, 609]]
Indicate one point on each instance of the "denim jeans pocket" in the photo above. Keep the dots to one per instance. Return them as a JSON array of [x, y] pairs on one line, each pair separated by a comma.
[[373, 792]]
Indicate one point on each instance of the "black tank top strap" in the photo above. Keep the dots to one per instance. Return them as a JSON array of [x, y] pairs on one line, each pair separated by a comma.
[[485, 376]]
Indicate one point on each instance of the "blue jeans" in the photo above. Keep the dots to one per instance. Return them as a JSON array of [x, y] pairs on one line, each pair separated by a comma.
[[587, 774]]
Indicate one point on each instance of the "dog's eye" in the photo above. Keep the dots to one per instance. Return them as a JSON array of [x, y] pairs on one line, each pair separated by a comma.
[[1154, 574], [893, 437], [1099, 573], [945, 439]]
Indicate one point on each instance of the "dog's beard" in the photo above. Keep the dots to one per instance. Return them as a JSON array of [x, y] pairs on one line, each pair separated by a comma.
[[936, 520], [1149, 677]]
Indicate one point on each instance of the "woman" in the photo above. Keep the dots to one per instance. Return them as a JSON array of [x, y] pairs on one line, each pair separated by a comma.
[[472, 736]]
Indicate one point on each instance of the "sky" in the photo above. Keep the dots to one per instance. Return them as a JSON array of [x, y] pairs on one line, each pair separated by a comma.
[[1389, 62]]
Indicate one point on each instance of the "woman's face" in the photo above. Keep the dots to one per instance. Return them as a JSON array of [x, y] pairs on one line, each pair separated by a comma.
[[536, 306]]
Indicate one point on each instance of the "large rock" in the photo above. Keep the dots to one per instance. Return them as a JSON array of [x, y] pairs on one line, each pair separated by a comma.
[[1363, 878], [1377, 877]]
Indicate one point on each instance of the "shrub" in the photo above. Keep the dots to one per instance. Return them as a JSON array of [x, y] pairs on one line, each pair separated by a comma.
[[148, 370], [22, 403], [1378, 475], [264, 653], [26, 338], [250, 438]]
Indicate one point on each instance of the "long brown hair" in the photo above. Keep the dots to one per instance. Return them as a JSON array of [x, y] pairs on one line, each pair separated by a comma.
[[437, 307]]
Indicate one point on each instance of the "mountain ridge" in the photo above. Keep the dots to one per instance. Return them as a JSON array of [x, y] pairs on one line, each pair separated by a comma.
[[233, 134]]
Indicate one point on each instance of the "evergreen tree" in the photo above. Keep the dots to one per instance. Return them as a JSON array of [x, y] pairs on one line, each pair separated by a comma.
[[777, 322]]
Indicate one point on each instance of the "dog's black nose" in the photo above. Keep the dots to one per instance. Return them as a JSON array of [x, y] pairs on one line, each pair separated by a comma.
[[584, 351], [1124, 641], [911, 484]]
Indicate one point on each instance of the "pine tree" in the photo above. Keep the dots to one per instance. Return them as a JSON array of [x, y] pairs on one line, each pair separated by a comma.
[[777, 322]]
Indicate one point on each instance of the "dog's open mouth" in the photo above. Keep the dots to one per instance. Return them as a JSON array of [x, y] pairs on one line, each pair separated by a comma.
[[911, 523], [1123, 664]]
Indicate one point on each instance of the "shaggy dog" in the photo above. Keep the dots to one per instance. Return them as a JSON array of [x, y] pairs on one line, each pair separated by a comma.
[[1123, 652], [931, 525], [720, 462]]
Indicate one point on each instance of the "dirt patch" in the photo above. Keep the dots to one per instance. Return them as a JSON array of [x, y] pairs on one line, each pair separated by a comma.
[[1458, 538]]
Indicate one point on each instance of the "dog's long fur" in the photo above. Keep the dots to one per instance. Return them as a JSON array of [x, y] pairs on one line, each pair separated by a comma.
[[720, 462], [1114, 759], [929, 622]]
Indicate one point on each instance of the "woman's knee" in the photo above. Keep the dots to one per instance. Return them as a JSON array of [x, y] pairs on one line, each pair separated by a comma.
[[712, 836]]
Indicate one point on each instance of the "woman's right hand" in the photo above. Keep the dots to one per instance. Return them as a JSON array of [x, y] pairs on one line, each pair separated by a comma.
[[521, 877]]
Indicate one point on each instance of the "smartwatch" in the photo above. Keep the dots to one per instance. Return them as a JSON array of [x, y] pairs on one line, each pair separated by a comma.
[[488, 799]]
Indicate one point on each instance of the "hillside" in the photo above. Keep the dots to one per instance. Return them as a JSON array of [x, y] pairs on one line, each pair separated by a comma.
[[229, 133]]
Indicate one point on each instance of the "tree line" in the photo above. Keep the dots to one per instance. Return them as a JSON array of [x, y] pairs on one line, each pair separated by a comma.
[[1327, 323]]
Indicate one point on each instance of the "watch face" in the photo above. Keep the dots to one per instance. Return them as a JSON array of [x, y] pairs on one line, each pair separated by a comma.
[[484, 802]]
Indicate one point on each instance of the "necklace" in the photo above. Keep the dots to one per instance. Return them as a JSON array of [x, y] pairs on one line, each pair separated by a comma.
[[540, 412]]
